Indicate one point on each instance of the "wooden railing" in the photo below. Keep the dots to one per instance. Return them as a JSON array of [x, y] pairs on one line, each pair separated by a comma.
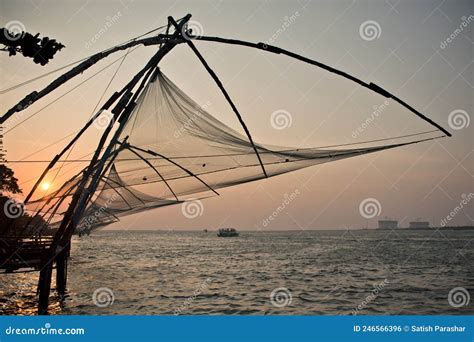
[[23, 252]]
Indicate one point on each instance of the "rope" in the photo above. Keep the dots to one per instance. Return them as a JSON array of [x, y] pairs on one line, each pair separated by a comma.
[[269, 163], [69, 91], [37, 209], [238, 154], [71, 169], [94, 110], [4, 91]]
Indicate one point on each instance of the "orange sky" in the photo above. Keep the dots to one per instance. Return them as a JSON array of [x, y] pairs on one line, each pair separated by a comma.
[[407, 58]]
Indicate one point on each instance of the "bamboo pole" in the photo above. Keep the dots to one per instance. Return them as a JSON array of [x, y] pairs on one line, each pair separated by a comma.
[[227, 97], [80, 68], [94, 172], [372, 86]]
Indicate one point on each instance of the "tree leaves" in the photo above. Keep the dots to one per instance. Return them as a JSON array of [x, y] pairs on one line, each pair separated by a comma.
[[42, 50], [8, 182]]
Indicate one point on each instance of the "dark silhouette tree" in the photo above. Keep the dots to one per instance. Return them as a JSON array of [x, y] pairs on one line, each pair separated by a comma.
[[9, 185], [42, 50], [8, 182]]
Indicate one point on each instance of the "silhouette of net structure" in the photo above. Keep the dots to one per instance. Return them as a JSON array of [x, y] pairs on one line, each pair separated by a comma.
[[172, 150], [157, 147]]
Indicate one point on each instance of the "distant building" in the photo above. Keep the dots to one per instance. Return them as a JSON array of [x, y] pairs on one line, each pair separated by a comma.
[[419, 224], [388, 224]]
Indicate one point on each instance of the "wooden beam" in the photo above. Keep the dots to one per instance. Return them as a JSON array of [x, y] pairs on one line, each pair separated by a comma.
[[153, 153], [93, 173], [226, 95], [371, 86], [157, 172], [77, 70], [44, 287], [61, 270]]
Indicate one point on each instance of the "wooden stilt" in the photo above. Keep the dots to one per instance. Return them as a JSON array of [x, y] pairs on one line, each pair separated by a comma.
[[125, 102], [61, 272], [44, 288]]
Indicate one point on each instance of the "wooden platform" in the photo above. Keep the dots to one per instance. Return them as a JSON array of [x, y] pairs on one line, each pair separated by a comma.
[[23, 254]]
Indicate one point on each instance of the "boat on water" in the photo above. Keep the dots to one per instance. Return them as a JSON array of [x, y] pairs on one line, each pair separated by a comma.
[[227, 232]]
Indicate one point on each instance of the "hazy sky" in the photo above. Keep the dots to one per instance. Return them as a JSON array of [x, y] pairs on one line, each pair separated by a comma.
[[417, 50]]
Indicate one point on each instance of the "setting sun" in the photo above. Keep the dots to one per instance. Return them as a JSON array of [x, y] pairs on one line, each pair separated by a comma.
[[306, 166]]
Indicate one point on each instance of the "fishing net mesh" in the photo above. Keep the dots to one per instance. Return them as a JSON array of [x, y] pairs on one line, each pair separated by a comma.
[[172, 150]]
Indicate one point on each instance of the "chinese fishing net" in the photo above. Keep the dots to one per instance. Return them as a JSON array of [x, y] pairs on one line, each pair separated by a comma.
[[172, 150]]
